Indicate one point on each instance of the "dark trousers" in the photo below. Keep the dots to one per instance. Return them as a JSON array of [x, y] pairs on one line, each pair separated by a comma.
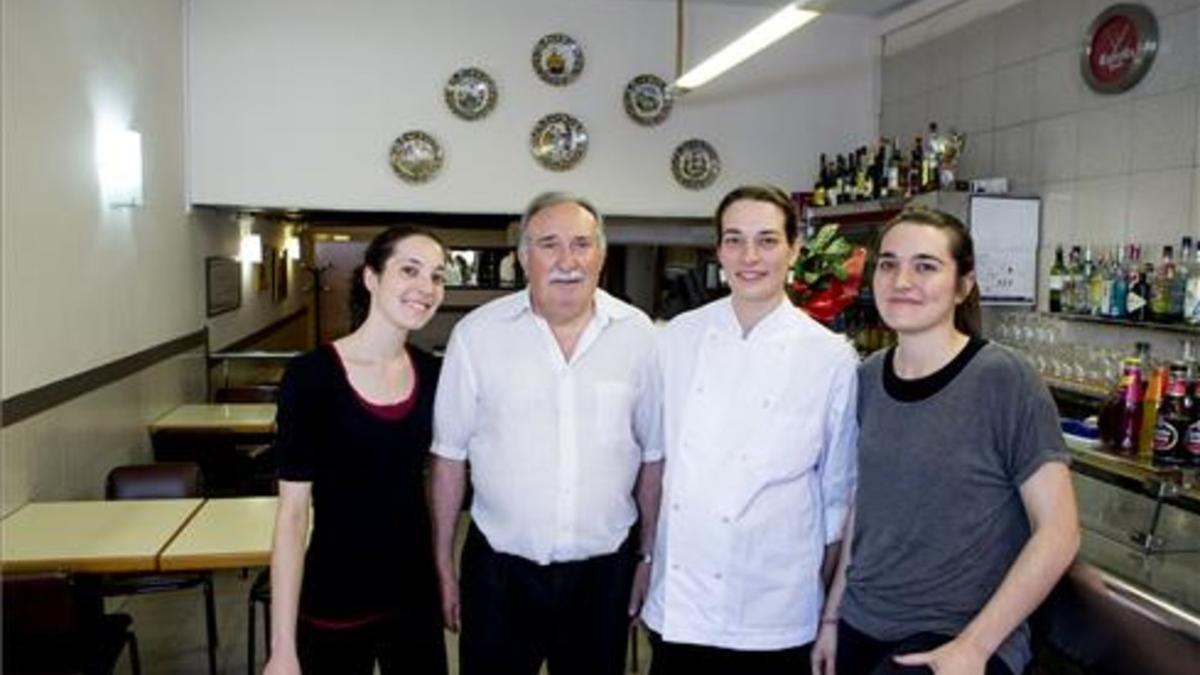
[[517, 614], [401, 644], [861, 654], [673, 658]]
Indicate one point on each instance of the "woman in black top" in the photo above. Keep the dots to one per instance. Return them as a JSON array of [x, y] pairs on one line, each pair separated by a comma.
[[354, 428]]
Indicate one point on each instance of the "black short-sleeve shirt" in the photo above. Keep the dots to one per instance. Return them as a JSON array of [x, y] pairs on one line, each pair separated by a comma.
[[370, 551]]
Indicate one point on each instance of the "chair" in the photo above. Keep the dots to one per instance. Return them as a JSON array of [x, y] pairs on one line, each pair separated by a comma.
[[163, 480], [1084, 624], [50, 627], [260, 593]]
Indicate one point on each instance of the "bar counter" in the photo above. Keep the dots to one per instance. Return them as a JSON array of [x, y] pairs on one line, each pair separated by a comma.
[[1141, 530]]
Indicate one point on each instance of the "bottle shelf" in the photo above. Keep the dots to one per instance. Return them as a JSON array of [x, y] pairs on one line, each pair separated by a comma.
[[1182, 328], [869, 207]]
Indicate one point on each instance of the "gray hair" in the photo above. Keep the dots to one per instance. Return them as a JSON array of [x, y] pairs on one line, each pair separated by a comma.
[[548, 199]]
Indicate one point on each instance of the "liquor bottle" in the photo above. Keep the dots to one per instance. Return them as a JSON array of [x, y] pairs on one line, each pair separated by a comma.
[[843, 185], [819, 197], [1163, 279], [929, 169], [915, 162], [1121, 415], [1136, 308], [1095, 282], [1156, 383], [1182, 275], [1057, 271], [893, 170], [1078, 281], [1108, 264], [1191, 297], [1176, 414], [1120, 286]]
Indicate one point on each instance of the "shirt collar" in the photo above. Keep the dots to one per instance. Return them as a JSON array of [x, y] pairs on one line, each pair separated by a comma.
[[780, 318], [608, 308]]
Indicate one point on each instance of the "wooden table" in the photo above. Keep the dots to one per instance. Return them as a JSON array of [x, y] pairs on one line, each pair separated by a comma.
[[224, 533], [234, 418], [91, 536]]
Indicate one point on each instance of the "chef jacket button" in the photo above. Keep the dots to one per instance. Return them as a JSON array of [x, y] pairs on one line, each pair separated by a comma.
[[725, 519], [675, 506], [717, 575], [675, 567]]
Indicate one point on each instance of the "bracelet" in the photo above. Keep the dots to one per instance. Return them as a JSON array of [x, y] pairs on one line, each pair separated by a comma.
[[829, 620], [645, 557]]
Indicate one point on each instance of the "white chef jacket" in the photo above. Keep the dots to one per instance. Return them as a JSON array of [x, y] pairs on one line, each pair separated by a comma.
[[554, 446], [760, 434]]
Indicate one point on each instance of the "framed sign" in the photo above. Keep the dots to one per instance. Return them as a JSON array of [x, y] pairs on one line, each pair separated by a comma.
[[1119, 48], [1005, 230], [222, 285]]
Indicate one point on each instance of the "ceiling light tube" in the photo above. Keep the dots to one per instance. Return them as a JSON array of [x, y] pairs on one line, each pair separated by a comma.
[[753, 41]]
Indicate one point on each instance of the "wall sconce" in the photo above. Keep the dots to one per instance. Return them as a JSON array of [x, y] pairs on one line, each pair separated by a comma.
[[250, 250], [119, 163], [292, 244]]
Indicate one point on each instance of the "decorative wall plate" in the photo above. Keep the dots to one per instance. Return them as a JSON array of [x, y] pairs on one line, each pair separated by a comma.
[[647, 100], [416, 156], [470, 93], [557, 59], [1119, 48], [695, 164], [558, 141]]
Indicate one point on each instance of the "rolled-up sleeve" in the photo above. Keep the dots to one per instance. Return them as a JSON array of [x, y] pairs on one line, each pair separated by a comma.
[[455, 406], [838, 467], [647, 423]]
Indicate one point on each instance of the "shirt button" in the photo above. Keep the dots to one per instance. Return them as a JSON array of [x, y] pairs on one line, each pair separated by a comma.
[[675, 567], [725, 519], [717, 576], [675, 506]]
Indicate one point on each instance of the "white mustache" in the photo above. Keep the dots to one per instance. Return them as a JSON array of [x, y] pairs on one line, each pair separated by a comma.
[[557, 276]]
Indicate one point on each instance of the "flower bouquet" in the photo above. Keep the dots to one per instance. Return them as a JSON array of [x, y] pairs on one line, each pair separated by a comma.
[[827, 275]]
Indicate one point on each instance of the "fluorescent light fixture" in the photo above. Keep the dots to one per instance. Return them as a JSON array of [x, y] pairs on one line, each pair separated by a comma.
[[753, 41], [250, 249], [119, 163], [292, 244]]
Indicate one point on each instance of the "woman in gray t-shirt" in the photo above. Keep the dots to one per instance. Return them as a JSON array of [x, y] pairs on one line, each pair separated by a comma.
[[965, 516]]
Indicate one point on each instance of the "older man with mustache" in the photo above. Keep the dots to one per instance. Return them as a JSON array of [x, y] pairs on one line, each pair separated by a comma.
[[548, 394]]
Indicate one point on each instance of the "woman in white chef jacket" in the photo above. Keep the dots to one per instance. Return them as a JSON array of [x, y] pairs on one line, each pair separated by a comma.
[[760, 434]]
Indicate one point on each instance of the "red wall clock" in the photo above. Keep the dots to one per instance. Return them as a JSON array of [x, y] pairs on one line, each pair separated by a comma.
[[1119, 48]]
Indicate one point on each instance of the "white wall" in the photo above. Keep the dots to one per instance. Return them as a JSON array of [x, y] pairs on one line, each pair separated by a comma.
[[296, 103], [84, 283], [1109, 169]]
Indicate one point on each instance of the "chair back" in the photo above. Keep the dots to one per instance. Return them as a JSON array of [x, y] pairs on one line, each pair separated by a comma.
[[161, 480], [40, 606], [262, 393], [1099, 632]]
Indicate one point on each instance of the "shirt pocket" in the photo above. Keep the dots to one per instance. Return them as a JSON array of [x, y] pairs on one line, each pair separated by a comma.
[[613, 413]]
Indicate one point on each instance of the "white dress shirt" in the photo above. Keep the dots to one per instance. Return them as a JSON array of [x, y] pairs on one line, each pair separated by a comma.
[[760, 435], [554, 445]]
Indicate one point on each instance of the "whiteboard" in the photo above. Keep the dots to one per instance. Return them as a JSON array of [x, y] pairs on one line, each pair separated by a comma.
[[1005, 230]]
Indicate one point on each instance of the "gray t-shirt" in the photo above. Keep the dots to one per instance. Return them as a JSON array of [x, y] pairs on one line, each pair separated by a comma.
[[939, 513]]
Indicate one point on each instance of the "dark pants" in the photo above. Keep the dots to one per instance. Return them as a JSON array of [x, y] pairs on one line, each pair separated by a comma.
[[401, 644], [673, 658], [861, 654], [517, 614]]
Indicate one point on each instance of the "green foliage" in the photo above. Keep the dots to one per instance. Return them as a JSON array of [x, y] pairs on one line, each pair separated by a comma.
[[823, 258]]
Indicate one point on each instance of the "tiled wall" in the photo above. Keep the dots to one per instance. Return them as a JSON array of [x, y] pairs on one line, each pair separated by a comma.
[[66, 452], [1109, 169]]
